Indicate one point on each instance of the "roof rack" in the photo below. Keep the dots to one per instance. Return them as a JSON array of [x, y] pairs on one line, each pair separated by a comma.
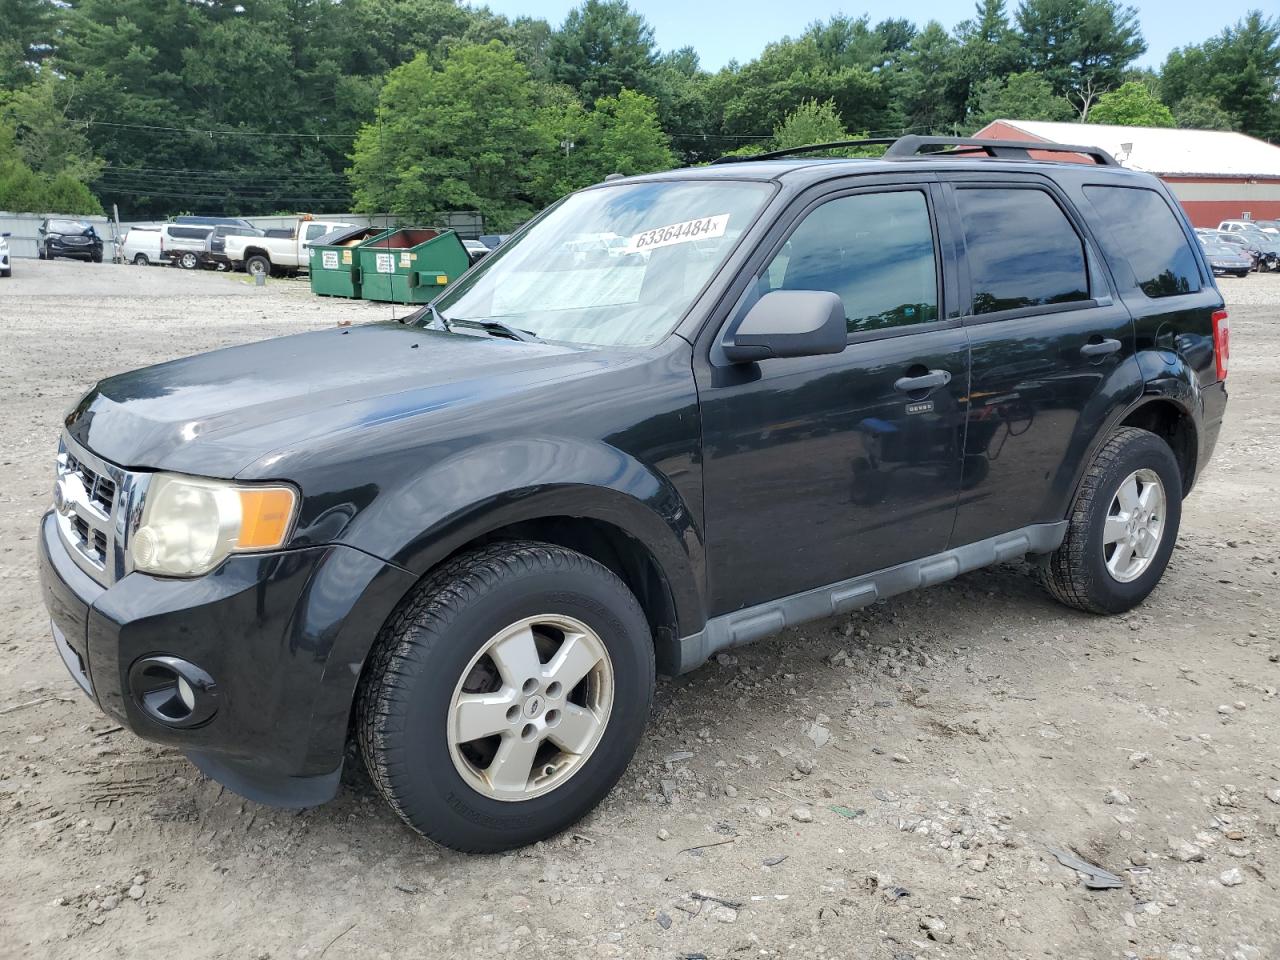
[[913, 146]]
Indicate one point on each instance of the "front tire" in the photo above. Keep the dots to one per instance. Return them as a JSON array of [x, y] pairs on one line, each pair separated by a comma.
[[1122, 528], [506, 698]]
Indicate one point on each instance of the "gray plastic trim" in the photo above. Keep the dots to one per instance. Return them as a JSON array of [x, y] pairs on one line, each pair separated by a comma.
[[743, 626]]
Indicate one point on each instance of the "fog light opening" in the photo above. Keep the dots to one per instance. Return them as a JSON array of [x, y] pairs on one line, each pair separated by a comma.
[[173, 691]]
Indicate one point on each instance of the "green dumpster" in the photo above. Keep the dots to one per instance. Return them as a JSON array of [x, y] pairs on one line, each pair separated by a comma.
[[410, 265], [334, 266]]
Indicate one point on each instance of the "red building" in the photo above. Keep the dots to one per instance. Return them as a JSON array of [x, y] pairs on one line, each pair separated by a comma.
[[1216, 175]]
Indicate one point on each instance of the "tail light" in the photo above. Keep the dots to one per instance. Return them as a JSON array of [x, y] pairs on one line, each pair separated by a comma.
[[1221, 342]]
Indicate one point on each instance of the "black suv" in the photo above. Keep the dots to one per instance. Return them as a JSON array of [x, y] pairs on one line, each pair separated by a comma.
[[673, 414], [68, 238]]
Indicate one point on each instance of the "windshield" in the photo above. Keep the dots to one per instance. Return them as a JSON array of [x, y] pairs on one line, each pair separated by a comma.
[[613, 266], [67, 226]]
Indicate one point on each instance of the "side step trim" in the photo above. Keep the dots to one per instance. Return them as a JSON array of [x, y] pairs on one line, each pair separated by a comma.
[[743, 626]]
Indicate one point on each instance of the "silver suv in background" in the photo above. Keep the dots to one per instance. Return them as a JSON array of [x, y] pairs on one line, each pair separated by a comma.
[[185, 244]]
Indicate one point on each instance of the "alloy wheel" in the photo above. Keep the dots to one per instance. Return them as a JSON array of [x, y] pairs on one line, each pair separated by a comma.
[[1134, 525], [531, 707]]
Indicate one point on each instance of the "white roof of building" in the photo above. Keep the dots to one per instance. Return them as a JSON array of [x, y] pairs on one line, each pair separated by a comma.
[[1172, 152]]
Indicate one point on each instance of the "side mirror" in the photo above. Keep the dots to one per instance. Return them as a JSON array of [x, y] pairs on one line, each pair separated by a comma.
[[790, 323], [6, 234]]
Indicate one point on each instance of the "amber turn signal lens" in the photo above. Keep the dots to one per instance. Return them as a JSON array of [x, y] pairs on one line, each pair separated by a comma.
[[266, 513]]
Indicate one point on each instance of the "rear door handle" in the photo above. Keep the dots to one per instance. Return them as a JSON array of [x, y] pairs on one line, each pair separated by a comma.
[[1099, 348], [929, 381]]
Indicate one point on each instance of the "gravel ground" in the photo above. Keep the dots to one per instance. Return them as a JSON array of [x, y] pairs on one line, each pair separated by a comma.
[[884, 786]]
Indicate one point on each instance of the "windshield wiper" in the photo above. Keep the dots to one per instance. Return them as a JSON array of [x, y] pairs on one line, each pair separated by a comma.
[[494, 328]]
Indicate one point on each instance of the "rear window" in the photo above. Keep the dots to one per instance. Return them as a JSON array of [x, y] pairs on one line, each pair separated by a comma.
[[1022, 250], [189, 233], [1141, 229]]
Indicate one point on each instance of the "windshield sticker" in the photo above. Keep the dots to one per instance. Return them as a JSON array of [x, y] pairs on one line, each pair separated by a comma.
[[703, 228]]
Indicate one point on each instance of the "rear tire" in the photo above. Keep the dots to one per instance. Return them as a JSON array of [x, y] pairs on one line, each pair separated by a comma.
[[521, 784], [257, 264], [1122, 527], [141, 260], [188, 261]]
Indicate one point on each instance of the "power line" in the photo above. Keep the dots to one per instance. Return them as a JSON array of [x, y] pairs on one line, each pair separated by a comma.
[[212, 132]]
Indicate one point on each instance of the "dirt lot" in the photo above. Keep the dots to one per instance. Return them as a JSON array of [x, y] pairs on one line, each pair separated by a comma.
[[844, 790]]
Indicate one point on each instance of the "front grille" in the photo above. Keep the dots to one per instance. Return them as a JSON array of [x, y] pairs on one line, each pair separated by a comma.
[[96, 503], [100, 487]]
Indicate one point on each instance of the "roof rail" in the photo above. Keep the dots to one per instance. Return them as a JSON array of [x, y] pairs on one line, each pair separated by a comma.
[[811, 148], [913, 146]]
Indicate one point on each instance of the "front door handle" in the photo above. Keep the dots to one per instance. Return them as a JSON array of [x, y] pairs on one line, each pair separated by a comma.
[[929, 381], [1099, 348]]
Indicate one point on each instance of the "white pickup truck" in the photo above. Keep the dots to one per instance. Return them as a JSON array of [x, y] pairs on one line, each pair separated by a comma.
[[274, 255]]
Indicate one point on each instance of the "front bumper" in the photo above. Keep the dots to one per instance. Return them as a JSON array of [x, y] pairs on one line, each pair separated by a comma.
[[85, 251], [283, 635]]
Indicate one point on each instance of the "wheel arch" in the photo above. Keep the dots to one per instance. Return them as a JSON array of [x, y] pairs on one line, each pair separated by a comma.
[[1172, 422], [614, 548]]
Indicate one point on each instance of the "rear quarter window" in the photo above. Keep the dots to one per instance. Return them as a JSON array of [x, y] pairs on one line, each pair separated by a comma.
[[1140, 229]]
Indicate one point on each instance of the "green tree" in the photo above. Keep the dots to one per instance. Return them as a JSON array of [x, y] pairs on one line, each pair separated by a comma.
[[811, 122], [49, 142], [23, 190], [931, 90], [602, 47], [1240, 68], [1081, 47], [988, 49], [461, 136], [1194, 112], [1131, 104], [28, 31], [1020, 96], [618, 135], [839, 61]]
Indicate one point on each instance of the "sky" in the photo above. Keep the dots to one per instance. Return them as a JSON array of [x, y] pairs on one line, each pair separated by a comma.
[[724, 30]]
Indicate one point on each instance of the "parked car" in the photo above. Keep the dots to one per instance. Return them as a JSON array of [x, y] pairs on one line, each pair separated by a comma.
[[6, 269], [76, 239], [185, 245], [1226, 258], [1266, 226], [476, 250], [470, 536], [1264, 249], [270, 255], [218, 242], [141, 246]]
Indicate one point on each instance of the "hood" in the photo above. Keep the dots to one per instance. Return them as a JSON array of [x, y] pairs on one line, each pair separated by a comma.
[[216, 413]]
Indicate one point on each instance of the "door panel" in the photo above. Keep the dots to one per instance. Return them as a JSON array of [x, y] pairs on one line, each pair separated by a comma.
[[1036, 402], [818, 469], [1052, 355]]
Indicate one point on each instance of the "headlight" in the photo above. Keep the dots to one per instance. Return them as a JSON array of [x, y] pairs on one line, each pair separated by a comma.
[[190, 525]]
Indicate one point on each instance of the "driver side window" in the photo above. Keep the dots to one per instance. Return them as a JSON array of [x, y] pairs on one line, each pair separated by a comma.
[[874, 250]]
